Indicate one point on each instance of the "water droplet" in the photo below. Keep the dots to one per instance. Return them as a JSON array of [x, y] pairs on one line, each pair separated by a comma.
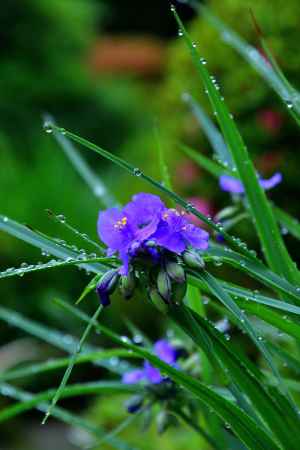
[[137, 172], [61, 218], [289, 104], [5, 219], [194, 45], [180, 33], [48, 128], [203, 61]]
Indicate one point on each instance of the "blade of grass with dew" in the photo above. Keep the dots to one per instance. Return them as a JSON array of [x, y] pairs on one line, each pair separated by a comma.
[[71, 364], [172, 195], [92, 180], [288, 94], [215, 138], [284, 219], [245, 428], [34, 401], [288, 222], [89, 287], [203, 161], [59, 363], [245, 324], [273, 246], [164, 171], [59, 340], [239, 370], [207, 342], [289, 361], [62, 221], [53, 264], [255, 305], [43, 242], [255, 269]]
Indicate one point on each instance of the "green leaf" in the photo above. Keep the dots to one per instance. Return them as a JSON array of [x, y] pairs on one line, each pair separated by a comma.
[[288, 223], [72, 363], [265, 223]]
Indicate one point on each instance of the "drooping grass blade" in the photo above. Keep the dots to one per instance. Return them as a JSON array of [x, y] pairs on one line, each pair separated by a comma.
[[71, 364], [265, 223]]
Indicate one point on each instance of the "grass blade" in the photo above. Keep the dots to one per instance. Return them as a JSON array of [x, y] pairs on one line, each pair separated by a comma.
[[245, 428], [71, 364], [92, 180], [29, 401], [265, 223]]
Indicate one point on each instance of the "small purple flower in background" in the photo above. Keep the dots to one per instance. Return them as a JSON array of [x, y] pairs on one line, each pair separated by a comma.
[[166, 352], [235, 186], [175, 233]]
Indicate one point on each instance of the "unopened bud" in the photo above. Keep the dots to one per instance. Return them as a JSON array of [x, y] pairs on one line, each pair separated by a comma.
[[107, 285], [175, 271], [127, 285], [164, 285], [133, 404], [193, 259], [163, 421], [158, 301]]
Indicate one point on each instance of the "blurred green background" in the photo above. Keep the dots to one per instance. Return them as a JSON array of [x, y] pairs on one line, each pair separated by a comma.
[[113, 72]]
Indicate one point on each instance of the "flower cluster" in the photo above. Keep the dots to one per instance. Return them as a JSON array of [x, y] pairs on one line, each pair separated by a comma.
[[157, 389], [164, 351], [153, 239]]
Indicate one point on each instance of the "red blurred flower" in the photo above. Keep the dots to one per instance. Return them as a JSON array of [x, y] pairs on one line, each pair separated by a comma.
[[202, 205], [187, 172], [270, 120]]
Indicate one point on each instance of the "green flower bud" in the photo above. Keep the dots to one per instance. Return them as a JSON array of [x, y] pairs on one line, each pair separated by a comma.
[[158, 301], [163, 421], [127, 285], [133, 404], [175, 271], [164, 285], [193, 259]]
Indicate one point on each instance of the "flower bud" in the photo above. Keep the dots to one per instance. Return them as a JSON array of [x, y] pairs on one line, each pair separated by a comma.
[[175, 271], [133, 404], [193, 259], [158, 301], [106, 286], [127, 285], [163, 421], [164, 285]]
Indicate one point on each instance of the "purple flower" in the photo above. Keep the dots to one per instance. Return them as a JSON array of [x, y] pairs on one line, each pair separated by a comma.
[[175, 233], [124, 231], [166, 352], [235, 186]]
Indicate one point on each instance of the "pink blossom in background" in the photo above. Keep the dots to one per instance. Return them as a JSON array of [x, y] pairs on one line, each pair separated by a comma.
[[270, 120], [187, 173], [202, 205]]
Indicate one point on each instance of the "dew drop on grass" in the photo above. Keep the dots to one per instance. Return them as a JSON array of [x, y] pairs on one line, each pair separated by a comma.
[[289, 104], [48, 128], [61, 218], [194, 45], [203, 61], [137, 172], [180, 33], [5, 219]]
